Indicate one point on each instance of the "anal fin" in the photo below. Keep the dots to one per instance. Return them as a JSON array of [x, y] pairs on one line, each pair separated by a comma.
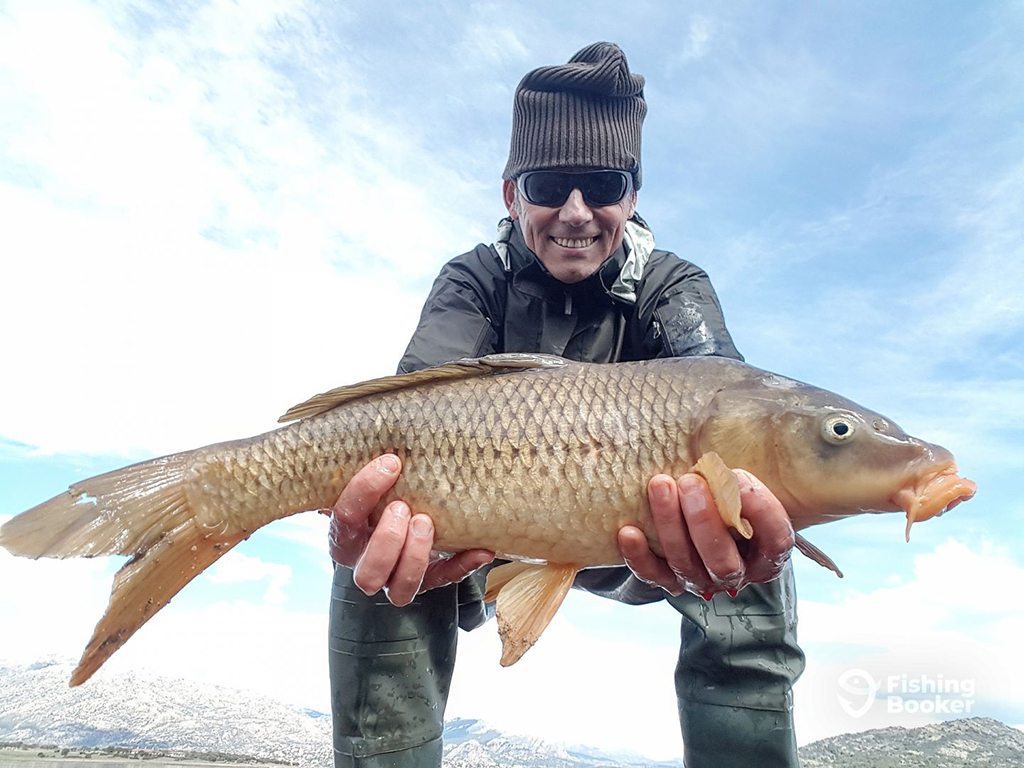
[[725, 489], [815, 554], [528, 597], [501, 575]]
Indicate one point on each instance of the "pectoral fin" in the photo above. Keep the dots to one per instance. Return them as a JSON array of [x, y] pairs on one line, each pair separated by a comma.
[[816, 555], [528, 597], [725, 489]]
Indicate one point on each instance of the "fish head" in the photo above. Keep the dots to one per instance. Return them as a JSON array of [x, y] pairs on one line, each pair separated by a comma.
[[826, 457]]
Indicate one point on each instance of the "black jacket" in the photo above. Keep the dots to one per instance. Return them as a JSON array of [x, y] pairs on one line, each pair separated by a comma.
[[477, 306], [495, 299]]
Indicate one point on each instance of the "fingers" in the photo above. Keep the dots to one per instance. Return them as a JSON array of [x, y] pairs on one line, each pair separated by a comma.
[[384, 548], [366, 489], [700, 553], [675, 534], [408, 574], [349, 530], [454, 569], [397, 558], [773, 532], [644, 564], [709, 534]]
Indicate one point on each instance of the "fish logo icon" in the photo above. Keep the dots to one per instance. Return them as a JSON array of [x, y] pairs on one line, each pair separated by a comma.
[[861, 684]]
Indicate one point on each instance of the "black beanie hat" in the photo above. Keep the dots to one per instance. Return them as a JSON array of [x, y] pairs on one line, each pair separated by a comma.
[[586, 114]]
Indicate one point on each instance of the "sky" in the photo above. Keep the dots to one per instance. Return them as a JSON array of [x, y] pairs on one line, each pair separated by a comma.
[[210, 211]]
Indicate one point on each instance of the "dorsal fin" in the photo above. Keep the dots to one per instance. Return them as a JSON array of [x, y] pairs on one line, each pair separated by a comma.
[[465, 368]]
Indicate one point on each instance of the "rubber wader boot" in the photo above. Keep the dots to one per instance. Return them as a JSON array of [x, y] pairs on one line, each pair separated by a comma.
[[390, 673], [738, 660]]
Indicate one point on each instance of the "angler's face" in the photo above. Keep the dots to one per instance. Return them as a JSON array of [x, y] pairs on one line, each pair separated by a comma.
[[574, 239]]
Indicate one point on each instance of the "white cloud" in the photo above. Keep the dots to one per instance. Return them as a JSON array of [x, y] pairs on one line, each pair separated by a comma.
[[698, 38], [50, 606], [490, 40], [262, 648], [190, 252], [237, 568], [309, 530], [956, 621], [580, 687]]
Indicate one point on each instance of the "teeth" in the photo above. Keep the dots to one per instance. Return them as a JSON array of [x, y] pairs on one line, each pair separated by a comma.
[[565, 243]]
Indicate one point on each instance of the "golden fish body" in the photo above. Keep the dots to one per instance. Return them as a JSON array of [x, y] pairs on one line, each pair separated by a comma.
[[530, 456], [544, 465]]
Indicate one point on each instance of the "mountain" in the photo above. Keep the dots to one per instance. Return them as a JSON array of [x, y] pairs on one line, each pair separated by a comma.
[[135, 709], [475, 744], [143, 710], [147, 711], [979, 742]]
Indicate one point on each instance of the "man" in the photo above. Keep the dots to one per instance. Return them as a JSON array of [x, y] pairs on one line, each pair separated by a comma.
[[573, 272]]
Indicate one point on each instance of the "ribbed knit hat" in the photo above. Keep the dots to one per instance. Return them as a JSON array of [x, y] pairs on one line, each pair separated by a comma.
[[587, 113]]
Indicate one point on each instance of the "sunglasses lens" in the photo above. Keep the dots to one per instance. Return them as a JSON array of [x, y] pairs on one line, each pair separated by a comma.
[[605, 187], [547, 188], [552, 188]]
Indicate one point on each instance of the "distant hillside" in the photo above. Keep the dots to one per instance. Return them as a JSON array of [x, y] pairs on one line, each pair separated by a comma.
[[147, 711], [978, 742], [157, 713], [172, 716]]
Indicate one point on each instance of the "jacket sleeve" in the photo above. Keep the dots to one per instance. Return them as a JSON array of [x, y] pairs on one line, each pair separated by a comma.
[[462, 314], [678, 313]]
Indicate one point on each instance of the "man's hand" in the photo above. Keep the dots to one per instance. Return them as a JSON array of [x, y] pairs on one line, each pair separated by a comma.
[[700, 554], [395, 554]]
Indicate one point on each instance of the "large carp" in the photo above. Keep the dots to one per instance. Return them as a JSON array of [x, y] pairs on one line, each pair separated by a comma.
[[531, 456]]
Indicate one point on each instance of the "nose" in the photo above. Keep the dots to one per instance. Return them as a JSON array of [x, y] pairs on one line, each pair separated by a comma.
[[574, 211]]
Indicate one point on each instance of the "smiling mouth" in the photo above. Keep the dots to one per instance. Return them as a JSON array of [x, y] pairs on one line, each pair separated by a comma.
[[569, 243]]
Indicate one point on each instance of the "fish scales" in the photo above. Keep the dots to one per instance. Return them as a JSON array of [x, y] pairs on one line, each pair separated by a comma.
[[525, 456], [517, 468]]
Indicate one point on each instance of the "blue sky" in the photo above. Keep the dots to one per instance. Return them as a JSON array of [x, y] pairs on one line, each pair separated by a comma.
[[209, 213]]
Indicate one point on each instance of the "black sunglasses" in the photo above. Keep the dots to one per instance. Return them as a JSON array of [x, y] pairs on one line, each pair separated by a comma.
[[552, 188]]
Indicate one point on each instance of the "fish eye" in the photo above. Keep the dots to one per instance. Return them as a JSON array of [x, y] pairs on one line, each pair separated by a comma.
[[837, 429]]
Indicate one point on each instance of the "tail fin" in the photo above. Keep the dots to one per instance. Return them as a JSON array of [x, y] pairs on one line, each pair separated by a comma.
[[146, 584], [118, 513], [142, 510]]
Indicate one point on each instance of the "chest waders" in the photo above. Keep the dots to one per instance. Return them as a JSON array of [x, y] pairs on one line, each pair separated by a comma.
[[391, 668]]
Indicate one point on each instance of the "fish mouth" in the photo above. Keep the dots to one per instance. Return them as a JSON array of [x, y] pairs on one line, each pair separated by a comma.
[[929, 495]]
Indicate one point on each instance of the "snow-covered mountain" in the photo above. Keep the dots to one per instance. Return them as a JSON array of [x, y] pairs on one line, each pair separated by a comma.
[[475, 744], [158, 713], [153, 712], [142, 710]]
